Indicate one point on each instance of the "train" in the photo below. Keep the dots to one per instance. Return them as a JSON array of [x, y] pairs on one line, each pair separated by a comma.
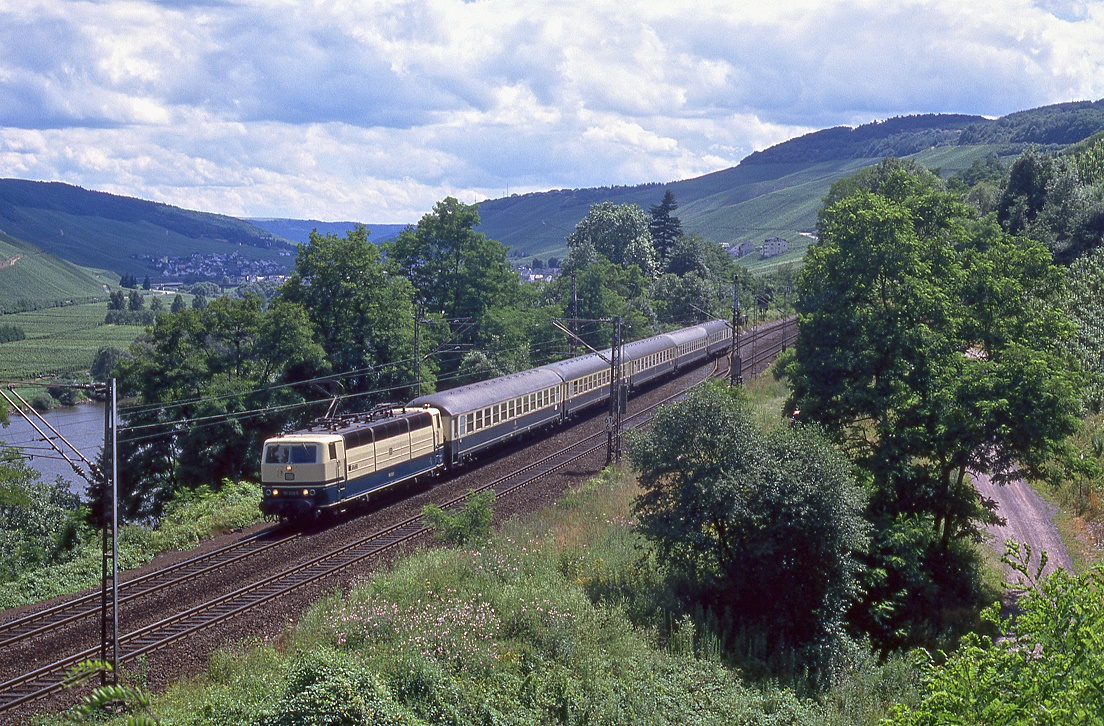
[[337, 461]]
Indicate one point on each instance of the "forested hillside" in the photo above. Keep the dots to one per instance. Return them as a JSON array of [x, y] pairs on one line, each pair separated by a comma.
[[106, 231]]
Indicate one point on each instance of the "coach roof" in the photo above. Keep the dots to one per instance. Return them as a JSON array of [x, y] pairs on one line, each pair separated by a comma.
[[583, 365], [487, 393]]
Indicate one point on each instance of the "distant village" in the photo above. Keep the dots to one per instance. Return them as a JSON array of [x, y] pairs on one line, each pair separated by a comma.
[[236, 267]]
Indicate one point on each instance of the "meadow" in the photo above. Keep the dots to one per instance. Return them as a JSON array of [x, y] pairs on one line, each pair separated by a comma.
[[62, 341]]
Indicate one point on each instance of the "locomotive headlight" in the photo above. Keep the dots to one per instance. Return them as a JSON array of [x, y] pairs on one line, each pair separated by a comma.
[[305, 492], [287, 468], [275, 492]]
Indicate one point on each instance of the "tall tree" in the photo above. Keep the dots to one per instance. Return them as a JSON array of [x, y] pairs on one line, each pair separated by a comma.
[[362, 316], [606, 290], [933, 346], [455, 270], [664, 226], [617, 232]]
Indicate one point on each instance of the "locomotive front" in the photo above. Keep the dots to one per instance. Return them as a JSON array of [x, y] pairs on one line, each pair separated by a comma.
[[299, 474]]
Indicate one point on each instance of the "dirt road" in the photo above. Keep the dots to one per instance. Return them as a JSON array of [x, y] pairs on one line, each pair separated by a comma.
[[1029, 519]]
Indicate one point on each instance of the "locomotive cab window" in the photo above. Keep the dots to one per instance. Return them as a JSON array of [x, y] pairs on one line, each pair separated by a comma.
[[292, 454]]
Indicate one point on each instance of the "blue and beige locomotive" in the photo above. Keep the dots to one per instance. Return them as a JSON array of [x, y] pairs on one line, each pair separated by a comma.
[[337, 461]]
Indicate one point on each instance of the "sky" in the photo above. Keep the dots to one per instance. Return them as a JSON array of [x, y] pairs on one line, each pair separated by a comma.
[[374, 110]]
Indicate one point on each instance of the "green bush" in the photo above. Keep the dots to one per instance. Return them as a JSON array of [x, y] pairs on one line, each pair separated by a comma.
[[328, 688], [1045, 671], [469, 525], [42, 402], [195, 515], [189, 518], [39, 522]]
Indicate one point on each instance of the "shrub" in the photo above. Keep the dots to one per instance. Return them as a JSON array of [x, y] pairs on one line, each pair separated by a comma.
[[1046, 670], [66, 395], [326, 688], [42, 402], [470, 525], [761, 531]]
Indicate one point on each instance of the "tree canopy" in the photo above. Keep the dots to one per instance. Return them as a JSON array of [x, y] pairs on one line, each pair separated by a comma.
[[210, 386], [618, 232], [764, 527], [455, 270], [931, 345], [362, 316]]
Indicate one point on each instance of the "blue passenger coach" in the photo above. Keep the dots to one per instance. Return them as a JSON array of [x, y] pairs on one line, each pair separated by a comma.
[[483, 414]]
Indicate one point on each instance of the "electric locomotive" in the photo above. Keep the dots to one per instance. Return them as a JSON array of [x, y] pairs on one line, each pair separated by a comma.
[[337, 461]]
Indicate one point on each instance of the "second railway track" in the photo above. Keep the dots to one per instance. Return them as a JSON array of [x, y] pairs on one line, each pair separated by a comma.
[[763, 345]]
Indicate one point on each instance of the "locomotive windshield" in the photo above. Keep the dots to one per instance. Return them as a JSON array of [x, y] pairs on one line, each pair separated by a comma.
[[291, 454]]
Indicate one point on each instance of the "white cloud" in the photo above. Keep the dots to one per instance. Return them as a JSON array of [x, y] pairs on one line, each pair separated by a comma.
[[373, 111]]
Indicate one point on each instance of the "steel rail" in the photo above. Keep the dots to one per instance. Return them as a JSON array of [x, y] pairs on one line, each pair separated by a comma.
[[62, 614]]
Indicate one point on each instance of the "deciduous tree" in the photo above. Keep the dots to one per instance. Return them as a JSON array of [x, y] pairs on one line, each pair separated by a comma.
[[362, 316], [763, 527], [617, 232], [931, 345]]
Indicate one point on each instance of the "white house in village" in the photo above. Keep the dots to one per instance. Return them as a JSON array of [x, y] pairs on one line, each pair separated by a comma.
[[773, 246], [744, 248]]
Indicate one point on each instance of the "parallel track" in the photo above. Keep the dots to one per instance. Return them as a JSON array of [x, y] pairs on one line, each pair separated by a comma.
[[49, 679]]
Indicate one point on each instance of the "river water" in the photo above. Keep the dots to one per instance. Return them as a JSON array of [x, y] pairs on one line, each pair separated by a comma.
[[81, 425]]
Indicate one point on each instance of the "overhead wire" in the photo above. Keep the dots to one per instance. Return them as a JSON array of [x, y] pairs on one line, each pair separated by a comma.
[[250, 413], [543, 347]]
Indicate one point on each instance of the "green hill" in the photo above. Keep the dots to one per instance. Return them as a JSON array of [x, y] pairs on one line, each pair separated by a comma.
[[746, 203], [777, 191], [31, 278], [106, 231]]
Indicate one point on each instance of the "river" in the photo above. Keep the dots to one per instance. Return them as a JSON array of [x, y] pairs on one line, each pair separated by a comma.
[[82, 425]]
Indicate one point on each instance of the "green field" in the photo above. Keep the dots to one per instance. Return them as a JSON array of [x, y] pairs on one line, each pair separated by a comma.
[[60, 341], [31, 278]]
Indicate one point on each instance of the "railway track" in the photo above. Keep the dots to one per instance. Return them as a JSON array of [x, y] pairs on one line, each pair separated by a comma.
[[763, 345]]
